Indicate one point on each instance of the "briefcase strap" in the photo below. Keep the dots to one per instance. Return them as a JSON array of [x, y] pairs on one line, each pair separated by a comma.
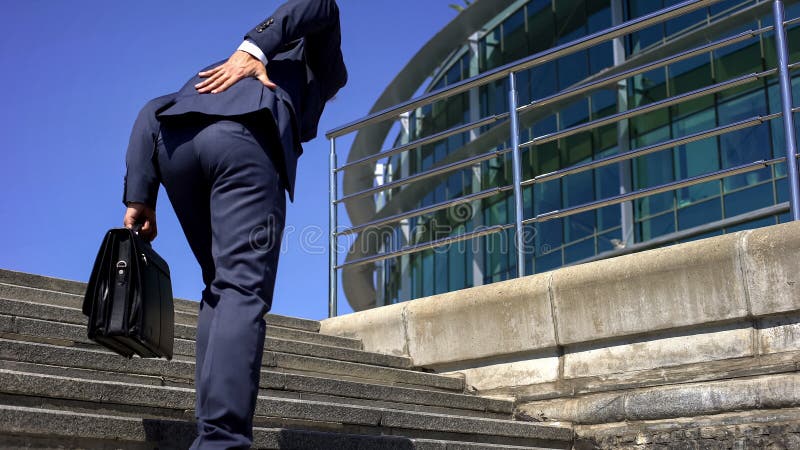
[[122, 279]]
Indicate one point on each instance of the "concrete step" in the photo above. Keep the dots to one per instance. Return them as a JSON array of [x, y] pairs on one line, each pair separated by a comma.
[[42, 282], [102, 360], [154, 399], [185, 310], [63, 314], [36, 330], [319, 388], [41, 428]]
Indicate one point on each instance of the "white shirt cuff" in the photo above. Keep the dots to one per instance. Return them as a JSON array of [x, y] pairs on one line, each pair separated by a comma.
[[250, 47]]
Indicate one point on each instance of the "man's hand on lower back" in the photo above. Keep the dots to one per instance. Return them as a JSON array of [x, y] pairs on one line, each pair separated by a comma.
[[240, 65]]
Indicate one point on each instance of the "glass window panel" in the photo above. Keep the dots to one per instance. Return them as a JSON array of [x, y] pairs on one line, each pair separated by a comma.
[[747, 145], [440, 266], [528, 245], [644, 38], [580, 251], [782, 190], [749, 199], [547, 196], [609, 217], [575, 149], [570, 19], [652, 137], [770, 51], [578, 226], [548, 261], [427, 273], [698, 192], [599, 12], [575, 113], [610, 240], [725, 6], [654, 227], [605, 140], [523, 87], [607, 180], [549, 235], [515, 44], [650, 127], [653, 169], [543, 81], [496, 262], [684, 21], [701, 236], [578, 188], [647, 88], [690, 74], [764, 222], [490, 55], [453, 74], [776, 125], [572, 69], [700, 121], [497, 213], [542, 20], [604, 103], [696, 158], [793, 34], [545, 126], [601, 57], [699, 214], [736, 60], [456, 263]]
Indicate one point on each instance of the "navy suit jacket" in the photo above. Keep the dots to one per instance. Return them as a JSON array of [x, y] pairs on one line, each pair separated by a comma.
[[302, 42]]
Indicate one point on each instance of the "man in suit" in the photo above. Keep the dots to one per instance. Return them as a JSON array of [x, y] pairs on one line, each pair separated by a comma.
[[225, 147]]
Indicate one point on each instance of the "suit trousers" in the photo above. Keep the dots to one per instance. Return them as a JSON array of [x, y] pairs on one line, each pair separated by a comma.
[[221, 176]]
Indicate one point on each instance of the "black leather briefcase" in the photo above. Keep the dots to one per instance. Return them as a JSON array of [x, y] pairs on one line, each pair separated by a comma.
[[129, 298]]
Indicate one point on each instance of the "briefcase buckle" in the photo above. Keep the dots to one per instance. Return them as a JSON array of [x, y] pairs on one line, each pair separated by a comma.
[[121, 266]]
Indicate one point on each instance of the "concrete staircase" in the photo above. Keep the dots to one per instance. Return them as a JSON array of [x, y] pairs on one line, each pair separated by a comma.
[[60, 390]]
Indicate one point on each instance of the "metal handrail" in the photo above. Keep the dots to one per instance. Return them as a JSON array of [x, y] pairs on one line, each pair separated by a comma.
[[588, 87], [510, 70], [556, 52], [688, 233], [716, 175], [567, 93], [427, 245], [619, 157], [427, 140], [486, 193], [426, 174], [670, 101]]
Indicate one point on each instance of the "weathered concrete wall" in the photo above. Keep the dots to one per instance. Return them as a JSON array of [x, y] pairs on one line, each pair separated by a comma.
[[720, 308], [456, 326], [764, 429]]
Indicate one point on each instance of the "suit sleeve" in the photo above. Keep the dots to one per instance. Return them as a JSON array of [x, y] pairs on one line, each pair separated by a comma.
[[293, 20], [141, 177]]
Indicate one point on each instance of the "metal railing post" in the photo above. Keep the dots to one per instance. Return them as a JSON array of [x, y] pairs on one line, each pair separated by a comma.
[[332, 250], [786, 104], [519, 238]]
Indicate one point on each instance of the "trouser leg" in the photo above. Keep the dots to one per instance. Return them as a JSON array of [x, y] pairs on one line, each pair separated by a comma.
[[246, 207]]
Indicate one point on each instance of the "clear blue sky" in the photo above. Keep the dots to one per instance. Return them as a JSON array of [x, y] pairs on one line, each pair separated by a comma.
[[74, 77]]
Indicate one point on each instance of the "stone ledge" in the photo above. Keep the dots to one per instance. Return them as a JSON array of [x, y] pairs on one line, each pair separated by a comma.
[[662, 402], [688, 284], [750, 429], [694, 286]]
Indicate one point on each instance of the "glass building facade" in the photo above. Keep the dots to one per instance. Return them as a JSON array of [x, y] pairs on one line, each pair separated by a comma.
[[536, 25]]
